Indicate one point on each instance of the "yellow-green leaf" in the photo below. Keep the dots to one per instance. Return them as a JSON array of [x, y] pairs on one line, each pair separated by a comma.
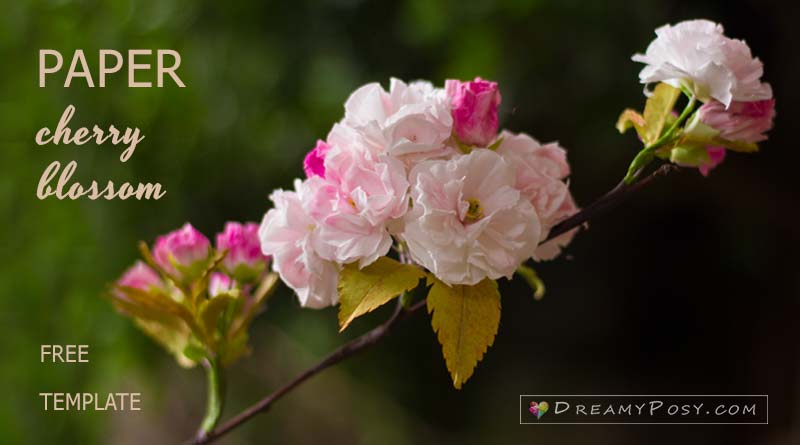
[[658, 108], [148, 258], [533, 279], [265, 289], [163, 319], [200, 274], [137, 311], [194, 352], [211, 309], [496, 144], [465, 319], [173, 338], [363, 290], [738, 146], [689, 155], [153, 302], [253, 306], [631, 118]]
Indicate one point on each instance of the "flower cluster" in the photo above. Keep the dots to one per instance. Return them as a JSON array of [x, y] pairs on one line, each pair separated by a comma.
[[425, 170], [416, 189], [195, 299], [737, 107]]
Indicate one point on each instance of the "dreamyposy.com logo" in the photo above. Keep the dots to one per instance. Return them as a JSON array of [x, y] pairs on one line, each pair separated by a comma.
[[539, 409], [644, 409]]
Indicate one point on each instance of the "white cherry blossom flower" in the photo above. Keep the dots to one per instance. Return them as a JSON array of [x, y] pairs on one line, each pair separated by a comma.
[[468, 221], [411, 121], [695, 54]]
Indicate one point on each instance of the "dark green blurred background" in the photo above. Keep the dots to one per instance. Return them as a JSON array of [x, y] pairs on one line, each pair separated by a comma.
[[690, 288]]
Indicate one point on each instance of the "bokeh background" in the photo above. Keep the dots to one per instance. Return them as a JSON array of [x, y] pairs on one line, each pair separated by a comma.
[[689, 288]]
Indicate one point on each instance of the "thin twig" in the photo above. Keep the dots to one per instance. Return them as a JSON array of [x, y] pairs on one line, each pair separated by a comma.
[[611, 199]]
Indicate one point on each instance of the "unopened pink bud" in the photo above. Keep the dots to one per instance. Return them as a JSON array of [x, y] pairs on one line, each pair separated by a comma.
[[183, 247], [219, 283], [244, 249], [716, 155], [140, 276], [741, 121], [474, 108], [314, 162]]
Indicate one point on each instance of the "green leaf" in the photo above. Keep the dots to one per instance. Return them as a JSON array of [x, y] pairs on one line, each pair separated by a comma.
[[465, 148], [211, 309], [465, 319], [689, 155], [245, 273], [363, 290], [252, 306], [194, 352], [199, 274], [496, 144], [533, 280], [659, 106]]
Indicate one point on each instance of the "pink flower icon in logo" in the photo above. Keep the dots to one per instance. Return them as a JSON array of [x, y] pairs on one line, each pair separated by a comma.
[[539, 409]]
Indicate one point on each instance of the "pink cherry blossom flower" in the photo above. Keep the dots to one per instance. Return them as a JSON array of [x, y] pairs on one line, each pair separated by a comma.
[[353, 205], [741, 121], [291, 237], [552, 249], [695, 54], [185, 247], [244, 248], [474, 107], [540, 173], [314, 162], [468, 221]]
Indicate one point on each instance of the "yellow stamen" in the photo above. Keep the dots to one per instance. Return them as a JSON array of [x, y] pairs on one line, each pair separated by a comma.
[[474, 212]]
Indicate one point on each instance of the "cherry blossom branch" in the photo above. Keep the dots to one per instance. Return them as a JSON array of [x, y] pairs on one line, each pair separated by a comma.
[[611, 199]]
